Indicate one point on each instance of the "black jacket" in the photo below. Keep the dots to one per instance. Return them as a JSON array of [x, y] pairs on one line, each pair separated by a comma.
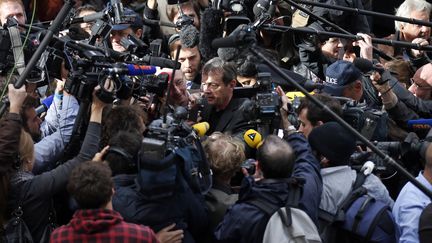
[[38, 190], [246, 223], [185, 208], [233, 119]]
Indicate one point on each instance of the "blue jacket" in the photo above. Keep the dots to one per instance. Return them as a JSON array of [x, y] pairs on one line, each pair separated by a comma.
[[244, 222]]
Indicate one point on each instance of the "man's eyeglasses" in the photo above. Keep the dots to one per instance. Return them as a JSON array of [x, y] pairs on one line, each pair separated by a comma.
[[423, 86]]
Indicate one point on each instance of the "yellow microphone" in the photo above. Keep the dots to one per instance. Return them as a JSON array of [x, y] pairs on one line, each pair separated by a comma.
[[252, 138], [201, 128], [296, 94]]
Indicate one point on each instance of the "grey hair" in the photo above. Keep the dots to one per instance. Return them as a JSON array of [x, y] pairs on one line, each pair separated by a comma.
[[217, 65], [408, 6]]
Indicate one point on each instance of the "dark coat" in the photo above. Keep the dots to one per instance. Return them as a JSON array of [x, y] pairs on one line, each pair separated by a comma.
[[10, 130], [232, 120], [244, 222], [38, 190], [185, 208]]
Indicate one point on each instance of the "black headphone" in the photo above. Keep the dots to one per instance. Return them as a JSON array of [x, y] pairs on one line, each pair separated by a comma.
[[123, 153]]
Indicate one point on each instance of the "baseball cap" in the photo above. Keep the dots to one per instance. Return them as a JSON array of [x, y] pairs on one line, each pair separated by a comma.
[[137, 21], [338, 75]]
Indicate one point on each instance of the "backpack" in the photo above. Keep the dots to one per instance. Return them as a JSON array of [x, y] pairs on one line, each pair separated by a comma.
[[361, 218], [288, 224]]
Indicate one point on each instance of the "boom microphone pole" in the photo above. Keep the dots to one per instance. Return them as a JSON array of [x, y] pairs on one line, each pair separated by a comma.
[[347, 36], [335, 26], [367, 12]]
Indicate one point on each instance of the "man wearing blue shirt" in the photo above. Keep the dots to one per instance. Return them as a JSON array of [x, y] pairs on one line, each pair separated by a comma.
[[411, 202]]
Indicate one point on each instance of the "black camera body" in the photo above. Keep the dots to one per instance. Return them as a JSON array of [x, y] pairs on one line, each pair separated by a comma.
[[49, 65], [266, 102], [371, 123]]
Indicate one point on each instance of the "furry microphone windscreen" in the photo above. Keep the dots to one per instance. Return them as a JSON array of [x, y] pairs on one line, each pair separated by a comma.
[[228, 54], [189, 36], [212, 25]]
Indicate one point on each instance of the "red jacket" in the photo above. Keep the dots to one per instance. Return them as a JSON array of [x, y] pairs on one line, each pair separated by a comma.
[[101, 225]]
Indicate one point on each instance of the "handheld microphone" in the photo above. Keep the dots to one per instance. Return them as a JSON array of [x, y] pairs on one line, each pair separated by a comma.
[[252, 138], [201, 128], [46, 103], [132, 69], [420, 124]]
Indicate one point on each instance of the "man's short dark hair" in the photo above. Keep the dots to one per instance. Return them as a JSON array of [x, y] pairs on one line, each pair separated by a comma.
[[91, 185], [128, 142], [121, 118], [217, 65], [276, 158], [315, 113]]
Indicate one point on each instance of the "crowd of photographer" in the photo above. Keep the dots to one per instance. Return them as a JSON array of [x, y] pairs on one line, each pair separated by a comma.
[[123, 131]]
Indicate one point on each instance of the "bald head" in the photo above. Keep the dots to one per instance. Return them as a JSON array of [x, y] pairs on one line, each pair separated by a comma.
[[422, 82], [276, 158], [425, 73]]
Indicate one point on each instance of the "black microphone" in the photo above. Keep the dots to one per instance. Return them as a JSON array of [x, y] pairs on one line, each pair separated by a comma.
[[189, 36], [228, 54], [264, 6], [365, 66], [160, 62], [230, 41], [88, 18], [212, 24], [310, 85], [242, 35]]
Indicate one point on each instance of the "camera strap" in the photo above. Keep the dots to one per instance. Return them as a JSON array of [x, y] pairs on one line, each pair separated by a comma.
[[17, 49]]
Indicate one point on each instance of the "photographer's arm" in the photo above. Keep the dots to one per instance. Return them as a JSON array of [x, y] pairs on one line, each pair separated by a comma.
[[306, 165], [49, 183], [418, 58], [60, 118], [10, 128], [397, 110], [151, 32]]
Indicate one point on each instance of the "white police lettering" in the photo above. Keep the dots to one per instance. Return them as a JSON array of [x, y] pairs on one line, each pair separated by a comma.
[[331, 80]]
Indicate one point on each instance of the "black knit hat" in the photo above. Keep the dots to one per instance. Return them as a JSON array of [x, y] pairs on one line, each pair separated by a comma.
[[334, 142]]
